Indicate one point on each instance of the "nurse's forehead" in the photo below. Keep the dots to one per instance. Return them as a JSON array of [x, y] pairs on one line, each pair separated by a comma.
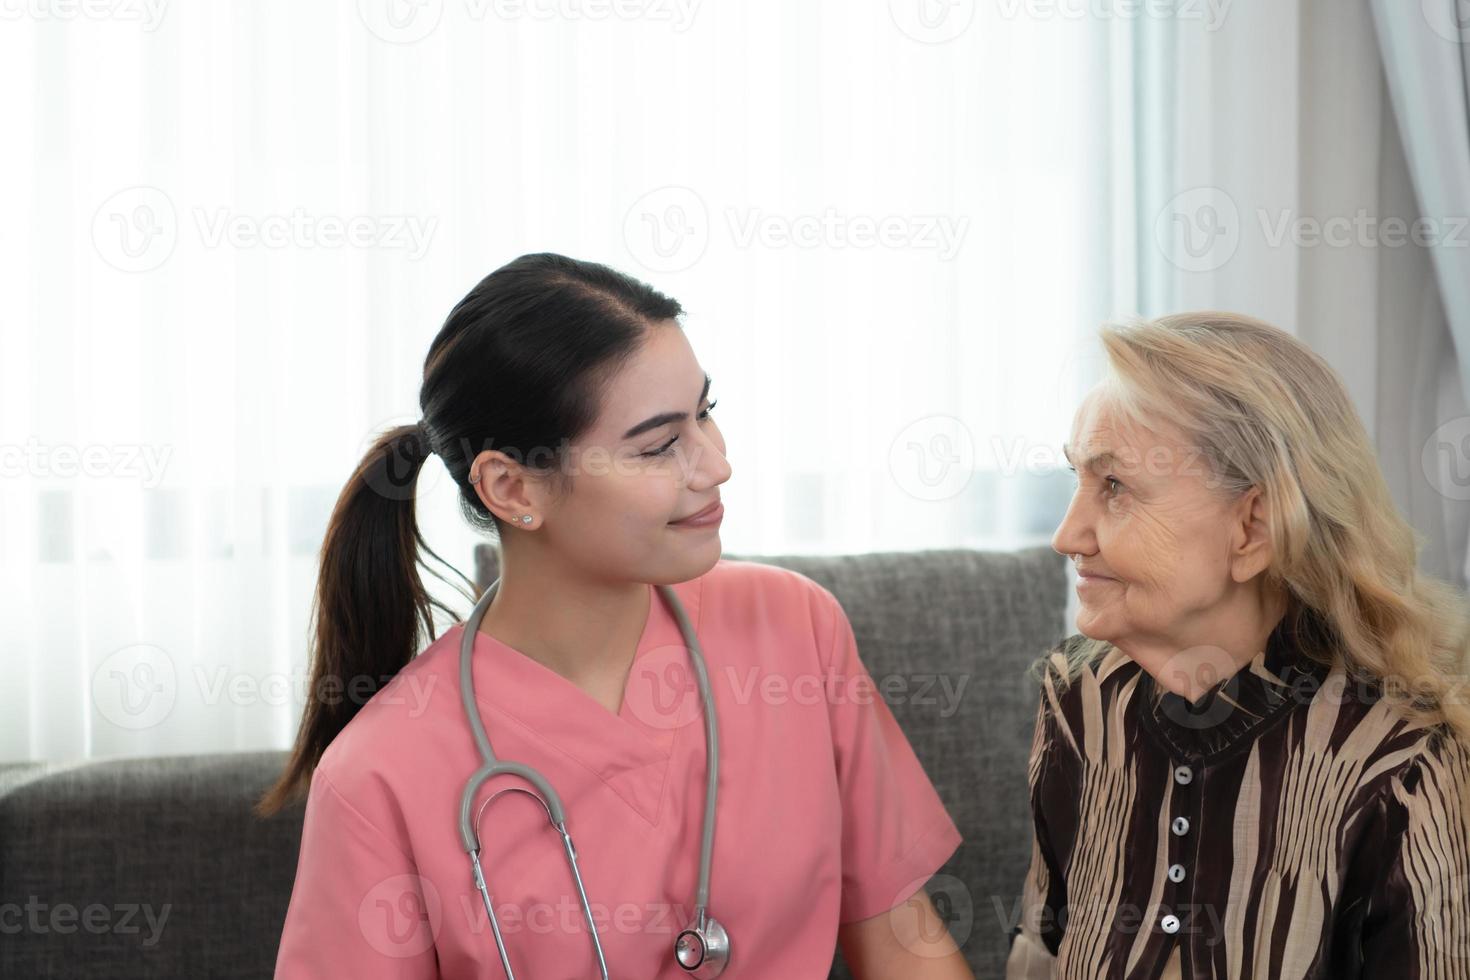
[[639, 406], [661, 375]]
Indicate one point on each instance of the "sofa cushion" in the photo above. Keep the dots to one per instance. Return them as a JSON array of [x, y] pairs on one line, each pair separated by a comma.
[[157, 867]]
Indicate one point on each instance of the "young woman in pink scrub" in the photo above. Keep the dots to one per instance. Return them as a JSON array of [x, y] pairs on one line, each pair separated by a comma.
[[566, 403]]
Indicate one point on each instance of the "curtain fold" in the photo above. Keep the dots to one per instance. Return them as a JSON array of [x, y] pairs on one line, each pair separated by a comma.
[[1426, 59], [227, 237], [1286, 195]]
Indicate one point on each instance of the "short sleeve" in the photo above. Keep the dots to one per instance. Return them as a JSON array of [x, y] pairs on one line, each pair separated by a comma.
[[358, 907], [896, 832], [1036, 939], [1417, 924]]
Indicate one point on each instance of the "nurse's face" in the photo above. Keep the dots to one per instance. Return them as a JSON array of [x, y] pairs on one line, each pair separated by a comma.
[[654, 458], [1151, 537]]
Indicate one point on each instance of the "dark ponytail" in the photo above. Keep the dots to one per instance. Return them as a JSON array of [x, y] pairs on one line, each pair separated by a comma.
[[518, 366]]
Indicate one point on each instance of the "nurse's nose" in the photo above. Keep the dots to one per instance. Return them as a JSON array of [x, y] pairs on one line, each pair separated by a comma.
[[709, 467]]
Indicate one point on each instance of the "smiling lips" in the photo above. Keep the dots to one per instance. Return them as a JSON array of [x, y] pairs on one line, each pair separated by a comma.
[[708, 515], [1086, 578]]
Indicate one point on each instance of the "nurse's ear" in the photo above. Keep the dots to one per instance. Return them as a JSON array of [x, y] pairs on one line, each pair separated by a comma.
[[507, 488]]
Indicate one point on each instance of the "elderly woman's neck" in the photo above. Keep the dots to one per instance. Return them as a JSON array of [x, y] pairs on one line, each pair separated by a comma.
[[1213, 645]]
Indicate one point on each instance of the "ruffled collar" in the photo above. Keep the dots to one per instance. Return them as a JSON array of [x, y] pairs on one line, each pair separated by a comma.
[[1232, 714]]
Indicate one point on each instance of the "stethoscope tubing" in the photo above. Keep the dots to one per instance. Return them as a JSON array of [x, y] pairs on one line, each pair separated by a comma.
[[491, 767]]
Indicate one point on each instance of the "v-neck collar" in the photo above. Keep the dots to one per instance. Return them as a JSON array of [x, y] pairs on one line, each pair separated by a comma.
[[629, 751]]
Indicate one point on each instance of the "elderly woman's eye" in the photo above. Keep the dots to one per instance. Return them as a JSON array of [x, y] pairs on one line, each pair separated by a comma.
[[1114, 486]]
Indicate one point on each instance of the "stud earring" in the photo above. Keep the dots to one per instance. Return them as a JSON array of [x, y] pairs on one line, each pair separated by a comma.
[[525, 518]]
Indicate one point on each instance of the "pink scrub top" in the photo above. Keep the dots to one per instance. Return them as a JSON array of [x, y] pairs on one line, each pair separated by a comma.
[[825, 815]]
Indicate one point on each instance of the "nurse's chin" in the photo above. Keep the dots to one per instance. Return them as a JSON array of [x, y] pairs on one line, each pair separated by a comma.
[[693, 559]]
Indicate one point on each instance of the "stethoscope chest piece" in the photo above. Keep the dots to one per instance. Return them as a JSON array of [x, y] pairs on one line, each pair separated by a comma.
[[703, 949]]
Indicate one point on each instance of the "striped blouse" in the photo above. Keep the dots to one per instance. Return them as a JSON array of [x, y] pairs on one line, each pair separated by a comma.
[[1289, 824]]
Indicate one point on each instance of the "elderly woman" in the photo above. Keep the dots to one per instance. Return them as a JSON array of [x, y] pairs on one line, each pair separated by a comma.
[[1253, 760]]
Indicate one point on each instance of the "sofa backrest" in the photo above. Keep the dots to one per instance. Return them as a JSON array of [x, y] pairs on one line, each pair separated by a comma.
[[144, 868], [157, 868]]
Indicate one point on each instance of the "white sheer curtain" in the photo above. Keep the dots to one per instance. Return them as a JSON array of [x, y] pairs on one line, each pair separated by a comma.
[[230, 231], [1277, 185], [1426, 59]]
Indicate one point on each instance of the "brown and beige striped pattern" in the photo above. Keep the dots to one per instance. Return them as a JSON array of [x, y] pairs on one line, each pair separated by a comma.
[[1311, 832]]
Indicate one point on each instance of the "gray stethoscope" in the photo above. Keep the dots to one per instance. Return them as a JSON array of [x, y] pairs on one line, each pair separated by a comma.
[[703, 948]]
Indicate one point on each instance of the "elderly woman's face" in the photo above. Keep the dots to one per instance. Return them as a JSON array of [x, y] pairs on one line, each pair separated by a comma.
[[1151, 538]]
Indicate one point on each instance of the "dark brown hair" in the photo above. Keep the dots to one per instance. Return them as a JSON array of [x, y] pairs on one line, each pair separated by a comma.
[[520, 365]]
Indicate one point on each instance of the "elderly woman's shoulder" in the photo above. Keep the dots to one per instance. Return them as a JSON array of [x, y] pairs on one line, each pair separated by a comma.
[[1430, 749], [1076, 655], [1431, 784], [1403, 754], [1075, 665]]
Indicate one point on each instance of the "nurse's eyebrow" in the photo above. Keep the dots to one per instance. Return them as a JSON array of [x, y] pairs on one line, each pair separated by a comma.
[[664, 418]]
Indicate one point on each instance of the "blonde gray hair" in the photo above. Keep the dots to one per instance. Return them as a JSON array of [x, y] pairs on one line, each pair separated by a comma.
[[1266, 411]]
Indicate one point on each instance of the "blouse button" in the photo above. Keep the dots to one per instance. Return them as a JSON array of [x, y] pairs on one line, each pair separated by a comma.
[[1183, 775], [1180, 826], [1176, 872], [1170, 924]]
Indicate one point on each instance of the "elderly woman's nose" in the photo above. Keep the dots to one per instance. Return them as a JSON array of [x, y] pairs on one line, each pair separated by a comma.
[[1074, 535]]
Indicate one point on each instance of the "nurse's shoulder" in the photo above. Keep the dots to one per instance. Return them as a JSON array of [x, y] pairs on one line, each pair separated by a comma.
[[757, 585], [787, 608], [414, 719]]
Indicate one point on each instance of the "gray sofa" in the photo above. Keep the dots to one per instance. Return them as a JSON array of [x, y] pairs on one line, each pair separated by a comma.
[[156, 867]]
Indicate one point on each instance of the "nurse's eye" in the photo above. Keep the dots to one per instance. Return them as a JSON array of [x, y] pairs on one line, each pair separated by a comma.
[[667, 448], [664, 450]]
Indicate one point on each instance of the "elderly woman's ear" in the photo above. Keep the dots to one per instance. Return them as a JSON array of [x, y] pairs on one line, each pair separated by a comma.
[[1252, 551]]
